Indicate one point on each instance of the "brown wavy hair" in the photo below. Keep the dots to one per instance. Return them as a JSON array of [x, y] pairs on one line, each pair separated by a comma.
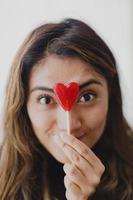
[[23, 165]]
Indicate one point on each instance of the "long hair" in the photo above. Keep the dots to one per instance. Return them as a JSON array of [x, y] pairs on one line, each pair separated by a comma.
[[23, 164]]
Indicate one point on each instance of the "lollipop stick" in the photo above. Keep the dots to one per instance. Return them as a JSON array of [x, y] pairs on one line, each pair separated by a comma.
[[68, 122]]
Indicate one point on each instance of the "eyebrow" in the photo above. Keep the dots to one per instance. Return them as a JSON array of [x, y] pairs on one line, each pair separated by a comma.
[[81, 86]]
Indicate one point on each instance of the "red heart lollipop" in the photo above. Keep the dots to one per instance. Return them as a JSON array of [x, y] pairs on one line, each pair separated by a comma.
[[66, 95]]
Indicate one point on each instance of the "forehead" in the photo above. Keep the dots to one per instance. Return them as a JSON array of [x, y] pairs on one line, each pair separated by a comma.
[[54, 69]]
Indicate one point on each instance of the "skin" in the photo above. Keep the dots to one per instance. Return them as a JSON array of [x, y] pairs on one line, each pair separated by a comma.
[[87, 120]]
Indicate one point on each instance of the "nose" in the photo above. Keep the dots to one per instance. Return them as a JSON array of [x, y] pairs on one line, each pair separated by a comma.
[[74, 119]]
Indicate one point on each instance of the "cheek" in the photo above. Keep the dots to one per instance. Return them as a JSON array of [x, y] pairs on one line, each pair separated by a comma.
[[44, 125], [41, 121], [96, 131], [95, 121], [98, 125]]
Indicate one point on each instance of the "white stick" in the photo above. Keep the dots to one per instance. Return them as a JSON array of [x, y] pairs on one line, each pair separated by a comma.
[[68, 122]]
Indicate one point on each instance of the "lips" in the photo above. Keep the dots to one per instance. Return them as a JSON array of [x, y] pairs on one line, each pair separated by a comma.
[[80, 136]]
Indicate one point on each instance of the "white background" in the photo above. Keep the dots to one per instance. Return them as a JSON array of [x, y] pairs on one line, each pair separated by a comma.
[[112, 19]]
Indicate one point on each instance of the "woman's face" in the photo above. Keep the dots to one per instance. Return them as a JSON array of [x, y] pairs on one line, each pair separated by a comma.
[[88, 115]]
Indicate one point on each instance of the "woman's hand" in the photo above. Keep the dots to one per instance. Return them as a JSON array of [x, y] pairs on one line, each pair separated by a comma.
[[84, 171]]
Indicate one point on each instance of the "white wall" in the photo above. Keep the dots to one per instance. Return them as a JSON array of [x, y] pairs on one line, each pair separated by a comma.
[[110, 18]]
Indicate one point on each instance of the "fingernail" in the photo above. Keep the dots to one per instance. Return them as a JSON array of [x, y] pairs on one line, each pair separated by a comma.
[[66, 167]]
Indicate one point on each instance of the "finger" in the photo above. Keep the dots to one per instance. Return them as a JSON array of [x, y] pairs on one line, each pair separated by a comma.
[[75, 174], [75, 158], [78, 164], [72, 190], [78, 159], [84, 151]]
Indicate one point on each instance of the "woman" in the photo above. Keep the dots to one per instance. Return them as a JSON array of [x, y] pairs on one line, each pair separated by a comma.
[[38, 159]]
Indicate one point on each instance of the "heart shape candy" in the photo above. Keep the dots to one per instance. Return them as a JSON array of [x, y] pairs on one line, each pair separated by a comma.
[[66, 95]]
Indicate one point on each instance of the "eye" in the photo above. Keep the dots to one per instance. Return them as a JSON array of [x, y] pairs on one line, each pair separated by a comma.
[[86, 97], [45, 99]]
